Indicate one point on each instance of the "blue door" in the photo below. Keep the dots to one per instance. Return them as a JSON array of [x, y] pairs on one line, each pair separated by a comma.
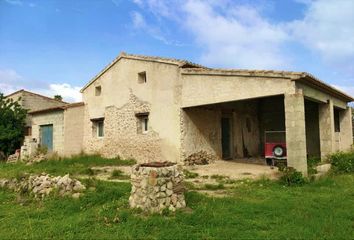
[[47, 136]]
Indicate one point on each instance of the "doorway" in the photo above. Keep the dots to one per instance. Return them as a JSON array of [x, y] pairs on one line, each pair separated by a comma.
[[226, 137], [47, 136]]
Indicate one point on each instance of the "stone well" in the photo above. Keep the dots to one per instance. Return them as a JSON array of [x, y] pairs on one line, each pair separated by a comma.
[[157, 186]]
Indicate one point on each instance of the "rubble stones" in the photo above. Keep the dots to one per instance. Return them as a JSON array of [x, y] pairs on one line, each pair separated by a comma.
[[42, 185], [153, 188], [200, 158], [13, 157]]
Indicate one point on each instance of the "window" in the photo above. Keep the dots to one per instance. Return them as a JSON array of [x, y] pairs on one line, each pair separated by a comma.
[[336, 120], [142, 77], [143, 122], [28, 131], [98, 91], [100, 132], [98, 127]]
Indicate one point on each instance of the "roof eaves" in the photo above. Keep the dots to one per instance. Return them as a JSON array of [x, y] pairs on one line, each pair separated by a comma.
[[47, 110], [310, 79]]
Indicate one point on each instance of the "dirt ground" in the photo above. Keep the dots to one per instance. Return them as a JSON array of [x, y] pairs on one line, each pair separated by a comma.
[[235, 170]]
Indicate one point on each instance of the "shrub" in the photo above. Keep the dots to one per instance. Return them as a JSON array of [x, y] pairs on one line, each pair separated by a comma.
[[342, 162], [291, 177], [312, 162], [12, 123]]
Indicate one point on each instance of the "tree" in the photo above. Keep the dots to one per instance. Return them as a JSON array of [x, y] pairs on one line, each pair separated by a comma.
[[58, 97], [12, 123]]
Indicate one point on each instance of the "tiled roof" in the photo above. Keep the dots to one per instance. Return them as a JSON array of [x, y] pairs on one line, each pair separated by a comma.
[[35, 94]]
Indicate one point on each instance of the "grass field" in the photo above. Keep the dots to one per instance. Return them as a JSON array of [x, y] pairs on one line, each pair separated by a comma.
[[255, 209]]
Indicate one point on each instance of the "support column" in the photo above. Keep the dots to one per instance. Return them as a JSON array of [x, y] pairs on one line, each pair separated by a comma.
[[295, 131], [346, 129], [326, 122]]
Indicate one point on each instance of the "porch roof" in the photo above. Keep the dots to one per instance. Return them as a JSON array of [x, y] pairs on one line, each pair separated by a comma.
[[303, 77]]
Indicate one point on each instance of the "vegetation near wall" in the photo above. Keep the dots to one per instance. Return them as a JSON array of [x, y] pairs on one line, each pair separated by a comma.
[[342, 162], [12, 122]]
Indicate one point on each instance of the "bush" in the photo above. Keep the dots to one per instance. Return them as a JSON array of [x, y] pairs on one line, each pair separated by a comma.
[[12, 123], [342, 162], [312, 162], [291, 177]]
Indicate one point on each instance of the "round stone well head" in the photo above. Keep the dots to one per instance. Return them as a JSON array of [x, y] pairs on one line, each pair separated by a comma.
[[157, 186]]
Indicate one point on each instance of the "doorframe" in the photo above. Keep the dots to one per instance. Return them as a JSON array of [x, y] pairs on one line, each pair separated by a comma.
[[228, 115]]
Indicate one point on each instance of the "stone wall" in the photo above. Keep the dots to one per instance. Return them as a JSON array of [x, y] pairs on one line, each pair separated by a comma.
[[157, 188], [121, 136], [200, 131]]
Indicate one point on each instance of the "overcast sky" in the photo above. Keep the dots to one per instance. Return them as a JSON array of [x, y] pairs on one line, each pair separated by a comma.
[[56, 46]]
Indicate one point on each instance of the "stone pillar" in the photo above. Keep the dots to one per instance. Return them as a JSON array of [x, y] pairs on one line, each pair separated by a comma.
[[295, 131], [326, 122], [346, 129]]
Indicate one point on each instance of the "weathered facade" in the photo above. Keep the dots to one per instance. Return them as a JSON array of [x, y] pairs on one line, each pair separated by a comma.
[[185, 105], [160, 109], [60, 129]]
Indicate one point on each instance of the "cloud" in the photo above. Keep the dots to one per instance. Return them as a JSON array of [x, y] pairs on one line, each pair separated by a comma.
[[235, 37], [140, 24], [327, 29], [11, 81], [237, 34], [68, 92]]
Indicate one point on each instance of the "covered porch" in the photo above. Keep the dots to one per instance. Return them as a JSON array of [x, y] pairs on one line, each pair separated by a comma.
[[235, 130]]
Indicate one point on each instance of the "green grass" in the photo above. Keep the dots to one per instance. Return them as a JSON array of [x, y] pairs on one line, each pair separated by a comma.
[[255, 209], [189, 174], [75, 166]]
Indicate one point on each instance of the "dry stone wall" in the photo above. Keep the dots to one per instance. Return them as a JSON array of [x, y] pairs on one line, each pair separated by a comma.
[[42, 185], [157, 188]]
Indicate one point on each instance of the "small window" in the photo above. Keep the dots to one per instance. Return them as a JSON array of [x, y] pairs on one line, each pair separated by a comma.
[[143, 122], [142, 77], [98, 128], [28, 131], [98, 90], [336, 120]]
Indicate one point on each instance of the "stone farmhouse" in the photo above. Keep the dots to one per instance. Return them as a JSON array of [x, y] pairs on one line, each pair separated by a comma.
[[162, 109]]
